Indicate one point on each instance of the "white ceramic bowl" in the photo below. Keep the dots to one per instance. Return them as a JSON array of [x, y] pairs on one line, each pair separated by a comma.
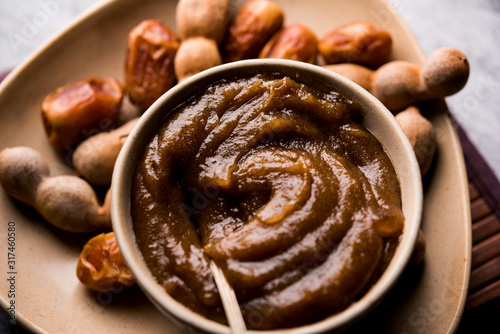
[[377, 119]]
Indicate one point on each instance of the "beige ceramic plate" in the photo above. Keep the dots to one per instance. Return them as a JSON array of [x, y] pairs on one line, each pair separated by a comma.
[[49, 298]]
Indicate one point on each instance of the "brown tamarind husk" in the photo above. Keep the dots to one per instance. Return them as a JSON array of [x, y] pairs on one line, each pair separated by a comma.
[[67, 202]]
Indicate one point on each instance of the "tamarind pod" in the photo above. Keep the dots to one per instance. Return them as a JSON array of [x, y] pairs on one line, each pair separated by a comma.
[[65, 201]]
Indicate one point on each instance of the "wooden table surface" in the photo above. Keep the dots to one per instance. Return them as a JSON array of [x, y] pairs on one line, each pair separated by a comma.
[[482, 309]]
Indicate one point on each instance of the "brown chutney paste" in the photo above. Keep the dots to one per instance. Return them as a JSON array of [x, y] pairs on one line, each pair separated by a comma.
[[281, 186]]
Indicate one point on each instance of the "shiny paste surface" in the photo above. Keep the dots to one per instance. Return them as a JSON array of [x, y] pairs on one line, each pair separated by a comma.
[[279, 184]]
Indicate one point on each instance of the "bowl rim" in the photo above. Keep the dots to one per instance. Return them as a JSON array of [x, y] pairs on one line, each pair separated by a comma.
[[133, 147]]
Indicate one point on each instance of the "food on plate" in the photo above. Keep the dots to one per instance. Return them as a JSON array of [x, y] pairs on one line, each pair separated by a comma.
[[358, 74], [196, 54], [420, 133], [276, 182], [254, 24], [101, 267], [65, 201], [80, 109], [361, 43], [149, 63], [94, 158], [294, 42], [203, 18], [399, 84], [279, 184]]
